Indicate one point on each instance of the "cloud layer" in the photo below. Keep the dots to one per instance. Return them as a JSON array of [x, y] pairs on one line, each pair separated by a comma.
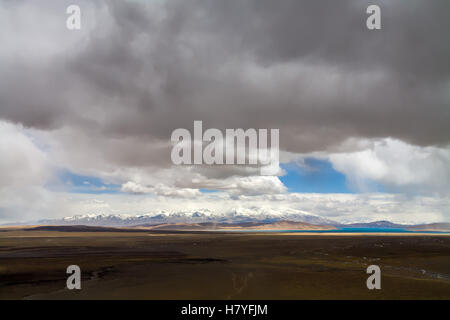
[[104, 100]]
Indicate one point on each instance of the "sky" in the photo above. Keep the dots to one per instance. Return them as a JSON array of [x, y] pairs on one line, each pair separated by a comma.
[[86, 115]]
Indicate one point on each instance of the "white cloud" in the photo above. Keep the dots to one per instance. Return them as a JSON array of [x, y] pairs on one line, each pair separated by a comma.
[[234, 186], [161, 190], [398, 166], [26, 167], [22, 163], [24, 170]]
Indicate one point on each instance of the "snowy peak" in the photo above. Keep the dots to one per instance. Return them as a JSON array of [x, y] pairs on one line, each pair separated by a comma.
[[237, 215]]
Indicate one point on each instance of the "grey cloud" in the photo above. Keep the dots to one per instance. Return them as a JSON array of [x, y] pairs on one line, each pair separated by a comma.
[[311, 68]]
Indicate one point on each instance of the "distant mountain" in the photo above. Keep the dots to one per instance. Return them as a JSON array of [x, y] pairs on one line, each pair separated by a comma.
[[73, 225], [376, 224], [238, 216], [431, 227], [206, 226], [389, 225], [277, 225], [195, 216], [76, 228]]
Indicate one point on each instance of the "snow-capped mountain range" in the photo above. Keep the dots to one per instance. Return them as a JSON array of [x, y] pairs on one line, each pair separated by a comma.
[[194, 216]]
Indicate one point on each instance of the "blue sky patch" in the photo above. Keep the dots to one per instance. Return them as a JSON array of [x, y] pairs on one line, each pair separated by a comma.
[[75, 183], [314, 176]]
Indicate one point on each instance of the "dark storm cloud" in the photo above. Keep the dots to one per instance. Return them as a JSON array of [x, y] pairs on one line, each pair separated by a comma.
[[310, 68]]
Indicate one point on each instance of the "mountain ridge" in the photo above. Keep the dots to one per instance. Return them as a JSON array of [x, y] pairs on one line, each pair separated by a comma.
[[195, 216], [233, 217]]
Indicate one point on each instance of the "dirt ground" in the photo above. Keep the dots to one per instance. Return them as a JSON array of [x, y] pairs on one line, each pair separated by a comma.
[[145, 265]]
